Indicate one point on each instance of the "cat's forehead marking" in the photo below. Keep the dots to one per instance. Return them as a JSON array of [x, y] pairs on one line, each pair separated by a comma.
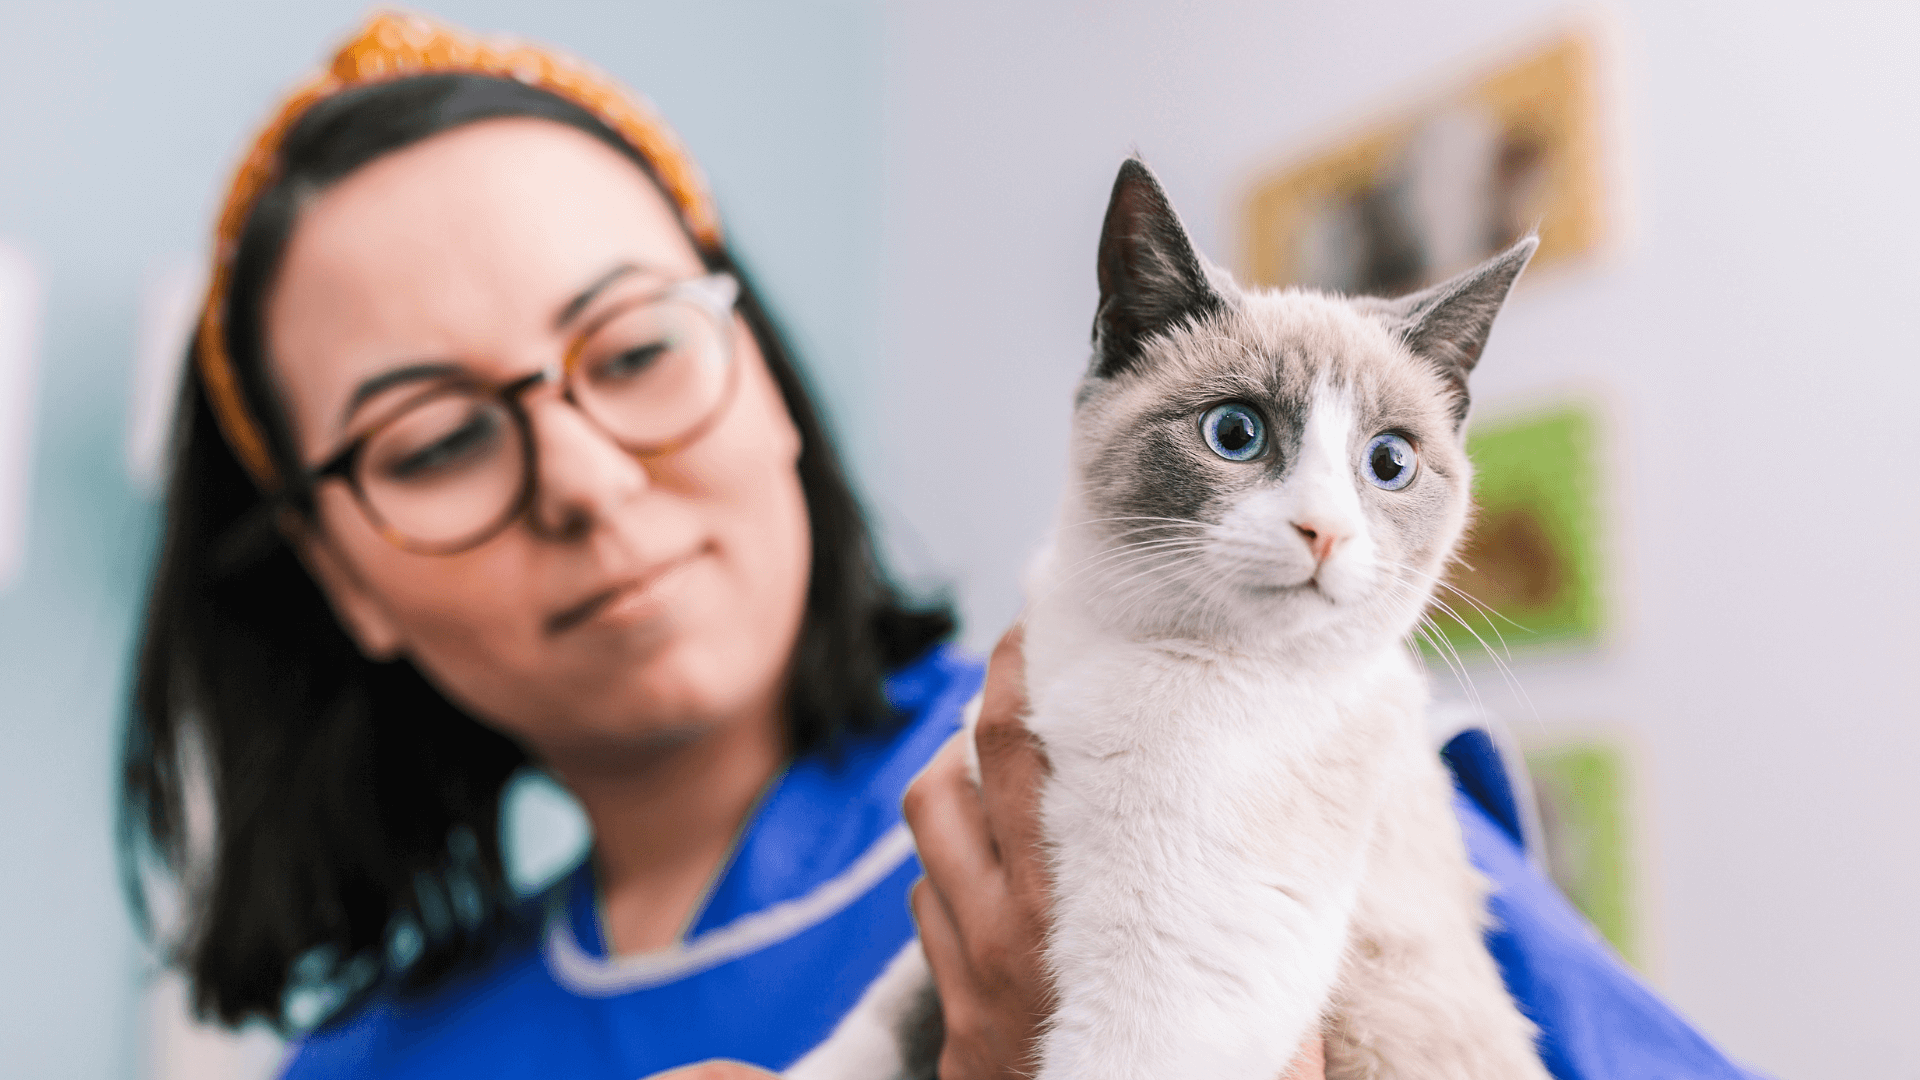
[[1273, 348], [1312, 337], [1309, 337], [1331, 420]]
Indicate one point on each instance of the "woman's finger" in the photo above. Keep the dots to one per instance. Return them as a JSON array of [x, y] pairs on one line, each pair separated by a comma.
[[1312, 1062], [715, 1070], [938, 934], [988, 1014], [950, 830], [1012, 768], [940, 939]]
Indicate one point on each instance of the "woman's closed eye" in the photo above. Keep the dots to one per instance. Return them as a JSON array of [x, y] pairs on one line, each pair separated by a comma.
[[473, 439], [628, 364]]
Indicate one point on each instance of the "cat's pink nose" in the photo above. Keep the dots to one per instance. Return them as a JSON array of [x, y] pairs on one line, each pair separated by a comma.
[[1320, 539]]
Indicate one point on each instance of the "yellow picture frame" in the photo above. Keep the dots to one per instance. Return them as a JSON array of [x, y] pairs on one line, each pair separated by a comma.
[[1524, 138]]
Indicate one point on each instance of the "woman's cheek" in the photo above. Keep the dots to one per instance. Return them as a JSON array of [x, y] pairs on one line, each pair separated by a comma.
[[765, 555], [769, 547], [470, 638]]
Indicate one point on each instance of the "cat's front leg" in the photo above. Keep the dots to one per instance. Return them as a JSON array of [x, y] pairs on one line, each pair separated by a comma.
[[1421, 998], [1231, 991], [1189, 944]]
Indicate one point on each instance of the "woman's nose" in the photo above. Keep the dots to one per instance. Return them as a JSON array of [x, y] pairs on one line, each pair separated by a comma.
[[581, 475]]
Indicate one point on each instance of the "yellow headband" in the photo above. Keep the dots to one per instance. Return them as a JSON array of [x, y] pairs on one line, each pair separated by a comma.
[[395, 46]]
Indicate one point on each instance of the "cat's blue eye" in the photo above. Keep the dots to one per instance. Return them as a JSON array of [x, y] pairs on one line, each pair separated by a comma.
[[1390, 462], [1234, 431]]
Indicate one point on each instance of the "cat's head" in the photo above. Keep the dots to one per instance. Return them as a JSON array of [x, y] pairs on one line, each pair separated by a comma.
[[1266, 466]]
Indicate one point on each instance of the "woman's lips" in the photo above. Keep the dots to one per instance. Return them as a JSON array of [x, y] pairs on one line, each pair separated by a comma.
[[623, 597]]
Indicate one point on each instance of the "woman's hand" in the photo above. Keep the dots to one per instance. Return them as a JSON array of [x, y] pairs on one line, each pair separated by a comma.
[[982, 908], [1310, 1068], [716, 1070]]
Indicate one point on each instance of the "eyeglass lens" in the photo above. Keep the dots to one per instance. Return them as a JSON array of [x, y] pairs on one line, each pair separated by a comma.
[[453, 464], [650, 372]]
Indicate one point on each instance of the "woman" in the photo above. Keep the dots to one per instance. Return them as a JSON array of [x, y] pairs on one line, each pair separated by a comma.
[[491, 457]]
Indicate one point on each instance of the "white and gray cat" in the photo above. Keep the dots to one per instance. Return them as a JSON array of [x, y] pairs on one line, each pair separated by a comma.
[[1250, 837]]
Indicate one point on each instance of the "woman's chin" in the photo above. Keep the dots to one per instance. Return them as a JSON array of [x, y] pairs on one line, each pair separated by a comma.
[[679, 686], [653, 669]]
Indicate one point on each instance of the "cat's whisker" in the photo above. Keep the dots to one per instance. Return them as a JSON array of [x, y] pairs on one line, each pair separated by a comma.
[[1135, 517], [1477, 602], [1507, 674], [1156, 522], [1484, 609], [1191, 534], [1169, 528], [1443, 647], [1112, 560], [1478, 605], [1173, 568], [1118, 554], [1426, 598], [1192, 556], [1110, 555], [1459, 675], [1122, 559], [1176, 573], [1137, 544], [1129, 537]]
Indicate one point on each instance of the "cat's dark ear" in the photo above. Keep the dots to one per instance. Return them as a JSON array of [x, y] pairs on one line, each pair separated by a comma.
[[1150, 275], [1449, 322]]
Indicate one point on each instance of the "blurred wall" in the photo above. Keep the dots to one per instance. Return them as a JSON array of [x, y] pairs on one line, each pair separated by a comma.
[[119, 122], [1752, 337]]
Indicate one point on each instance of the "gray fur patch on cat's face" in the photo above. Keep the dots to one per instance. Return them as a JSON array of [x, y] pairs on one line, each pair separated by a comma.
[[1223, 539]]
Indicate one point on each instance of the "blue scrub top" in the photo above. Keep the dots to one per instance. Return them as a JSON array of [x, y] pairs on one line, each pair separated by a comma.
[[813, 903]]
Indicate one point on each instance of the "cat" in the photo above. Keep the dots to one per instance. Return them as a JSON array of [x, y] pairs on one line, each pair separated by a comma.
[[1251, 840]]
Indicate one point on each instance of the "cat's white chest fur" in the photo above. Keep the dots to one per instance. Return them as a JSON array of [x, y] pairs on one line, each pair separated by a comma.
[[1211, 818]]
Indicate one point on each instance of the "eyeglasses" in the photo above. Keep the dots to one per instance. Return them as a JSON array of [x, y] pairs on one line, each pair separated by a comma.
[[449, 467]]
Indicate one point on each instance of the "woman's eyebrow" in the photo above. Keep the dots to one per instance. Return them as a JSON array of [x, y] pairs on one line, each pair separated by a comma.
[[572, 309], [387, 380]]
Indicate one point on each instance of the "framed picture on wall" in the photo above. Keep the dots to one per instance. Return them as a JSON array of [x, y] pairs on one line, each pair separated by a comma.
[[20, 303], [1530, 569], [1441, 183], [1585, 784]]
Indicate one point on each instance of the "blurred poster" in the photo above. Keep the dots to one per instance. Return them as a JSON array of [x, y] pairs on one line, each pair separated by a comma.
[[1582, 788], [20, 303], [1423, 193], [169, 304], [1529, 570]]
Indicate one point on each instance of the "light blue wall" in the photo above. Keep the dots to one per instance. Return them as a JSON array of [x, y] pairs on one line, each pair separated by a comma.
[[118, 122]]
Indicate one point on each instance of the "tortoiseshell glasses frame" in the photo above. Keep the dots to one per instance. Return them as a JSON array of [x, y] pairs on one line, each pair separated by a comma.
[[452, 465]]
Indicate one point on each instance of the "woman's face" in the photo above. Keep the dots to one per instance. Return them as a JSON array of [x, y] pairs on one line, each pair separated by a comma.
[[636, 601]]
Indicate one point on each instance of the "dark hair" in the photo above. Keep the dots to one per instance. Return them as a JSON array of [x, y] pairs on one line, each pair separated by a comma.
[[357, 832]]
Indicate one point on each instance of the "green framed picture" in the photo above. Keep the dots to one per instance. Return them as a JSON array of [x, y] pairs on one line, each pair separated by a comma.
[[1531, 558], [1582, 790]]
